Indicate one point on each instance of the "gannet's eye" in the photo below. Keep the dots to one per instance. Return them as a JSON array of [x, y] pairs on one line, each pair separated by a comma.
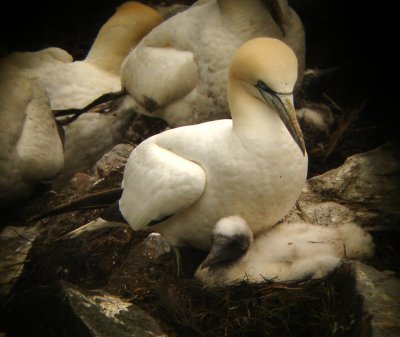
[[218, 237], [261, 85]]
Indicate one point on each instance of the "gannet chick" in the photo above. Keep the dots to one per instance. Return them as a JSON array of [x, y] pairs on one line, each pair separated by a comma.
[[286, 252], [181, 181], [178, 72]]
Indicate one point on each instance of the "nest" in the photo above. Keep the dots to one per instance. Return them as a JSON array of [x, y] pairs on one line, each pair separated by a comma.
[[329, 306]]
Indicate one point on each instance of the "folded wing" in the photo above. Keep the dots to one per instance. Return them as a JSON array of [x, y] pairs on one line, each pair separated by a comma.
[[157, 184]]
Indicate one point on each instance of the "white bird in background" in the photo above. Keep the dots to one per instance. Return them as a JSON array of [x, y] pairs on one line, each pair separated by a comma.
[[187, 178], [30, 141], [76, 84], [179, 71], [286, 252], [33, 83], [181, 181], [79, 83]]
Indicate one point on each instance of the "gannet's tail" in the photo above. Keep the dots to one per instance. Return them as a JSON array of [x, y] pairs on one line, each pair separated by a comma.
[[103, 199], [94, 225]]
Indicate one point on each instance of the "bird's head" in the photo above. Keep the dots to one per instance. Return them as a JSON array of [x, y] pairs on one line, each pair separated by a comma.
[[267, 68], [231, 238]]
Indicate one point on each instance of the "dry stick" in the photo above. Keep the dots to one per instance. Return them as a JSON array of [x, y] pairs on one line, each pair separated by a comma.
[[343, 127]]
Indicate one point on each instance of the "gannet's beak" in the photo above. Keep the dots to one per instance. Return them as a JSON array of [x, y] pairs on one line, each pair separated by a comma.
[[226, 250], [288, 115], [283, 104]]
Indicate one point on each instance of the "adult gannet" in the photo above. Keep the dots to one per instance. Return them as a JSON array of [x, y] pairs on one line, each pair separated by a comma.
[[32, 83], [179, 70], [75, 85], [30, 141], [187, 178], [181, 181], [286, 252]]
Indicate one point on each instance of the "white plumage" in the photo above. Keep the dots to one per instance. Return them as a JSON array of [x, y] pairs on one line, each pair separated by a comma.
[[179, 71], [77, 84], [255, 164], [286, 252], [33, 83], [30, 142]]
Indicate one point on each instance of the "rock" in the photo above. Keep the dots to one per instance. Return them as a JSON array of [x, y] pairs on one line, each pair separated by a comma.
[[62, 309], [365, 190], [146, 261], [381, 292], [15, 244], [114, 159]]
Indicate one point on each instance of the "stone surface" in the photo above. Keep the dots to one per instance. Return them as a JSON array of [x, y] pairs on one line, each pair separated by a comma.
[[114, 159], [62, 309], [365, 190], [15, 244], [381, 292]]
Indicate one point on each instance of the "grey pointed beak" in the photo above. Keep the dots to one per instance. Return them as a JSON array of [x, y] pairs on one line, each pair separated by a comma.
[[225, 250], [283, 103], [287, 114]]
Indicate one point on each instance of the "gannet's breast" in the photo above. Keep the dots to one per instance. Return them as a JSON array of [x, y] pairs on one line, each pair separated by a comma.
[[234, 183]]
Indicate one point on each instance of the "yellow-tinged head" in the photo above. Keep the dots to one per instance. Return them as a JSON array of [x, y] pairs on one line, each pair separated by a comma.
[[122, 32], [268, 60], [267, 70]]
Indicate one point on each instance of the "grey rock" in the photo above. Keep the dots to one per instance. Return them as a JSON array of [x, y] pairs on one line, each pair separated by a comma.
[[15, 244], [381, 292], [114, 159], [365, 190], [62, 309]]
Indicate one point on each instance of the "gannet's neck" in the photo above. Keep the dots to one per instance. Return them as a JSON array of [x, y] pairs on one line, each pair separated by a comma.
[[250, 115], [120, 34]]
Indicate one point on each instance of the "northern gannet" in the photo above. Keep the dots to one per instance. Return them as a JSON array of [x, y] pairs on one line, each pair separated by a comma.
[[179, 71], [30, 140], [181, 181], [75, 85], [33, 83], [286, 252], [187, 178]]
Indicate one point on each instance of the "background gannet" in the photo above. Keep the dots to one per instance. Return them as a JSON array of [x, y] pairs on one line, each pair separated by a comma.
[[178, 72], [286, 252], [76, 84], [187, 178], [79, 83], [32, 83], [30, 140]]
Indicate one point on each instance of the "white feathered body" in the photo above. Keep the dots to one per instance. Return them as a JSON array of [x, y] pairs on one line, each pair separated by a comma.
[[179, 71], [215, 172], [31, 147], [294, 252]]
